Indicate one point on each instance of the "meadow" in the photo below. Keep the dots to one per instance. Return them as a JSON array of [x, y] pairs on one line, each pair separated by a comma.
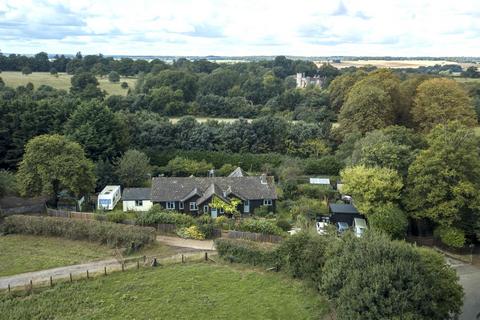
[[62, 81], [390, 63], [25, 253], [191, 291]]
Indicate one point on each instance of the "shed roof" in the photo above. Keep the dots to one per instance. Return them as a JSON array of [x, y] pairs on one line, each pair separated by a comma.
[[343, 208], [130, 194], [319, 181], [238, 172]]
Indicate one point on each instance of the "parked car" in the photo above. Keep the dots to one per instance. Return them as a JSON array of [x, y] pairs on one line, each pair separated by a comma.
[[322, 227], [359, 226], [342, 227]]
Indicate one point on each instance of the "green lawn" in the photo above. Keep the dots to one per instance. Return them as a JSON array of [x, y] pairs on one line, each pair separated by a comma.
[[15, 79], [24, 253], [192, 291]]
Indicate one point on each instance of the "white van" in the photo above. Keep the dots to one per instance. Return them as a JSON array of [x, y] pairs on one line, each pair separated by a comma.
[[108, 198], [359, 226]]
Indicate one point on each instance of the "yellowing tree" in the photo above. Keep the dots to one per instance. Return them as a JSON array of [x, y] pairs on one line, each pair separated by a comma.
[[440, 100], [371, 187]]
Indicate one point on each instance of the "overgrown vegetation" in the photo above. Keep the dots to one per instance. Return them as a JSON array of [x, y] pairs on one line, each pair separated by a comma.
[[111, 234]]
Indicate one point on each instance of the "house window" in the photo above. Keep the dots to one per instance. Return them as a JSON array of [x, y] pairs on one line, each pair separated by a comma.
[[221, 210], [171, 205], [138, 203], [180, 205], [267, 202], [193, 206], [205, 208]]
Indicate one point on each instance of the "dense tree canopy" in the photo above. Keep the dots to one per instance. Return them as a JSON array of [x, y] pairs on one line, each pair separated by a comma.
[[53, 163], [443, 181], [371, 187], [438, 101], [133, 169]]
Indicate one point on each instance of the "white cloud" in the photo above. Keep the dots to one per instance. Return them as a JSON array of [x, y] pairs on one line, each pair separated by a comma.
[[249, 27]]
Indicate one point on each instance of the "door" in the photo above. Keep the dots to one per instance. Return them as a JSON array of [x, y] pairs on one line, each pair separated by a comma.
[[213, 212], [246, 206]]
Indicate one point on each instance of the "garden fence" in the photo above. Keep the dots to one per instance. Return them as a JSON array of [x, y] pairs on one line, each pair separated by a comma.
[[260, 237]]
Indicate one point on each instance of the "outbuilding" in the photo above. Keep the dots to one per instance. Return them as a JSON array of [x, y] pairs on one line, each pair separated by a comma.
[[136, 199], [343, 213]]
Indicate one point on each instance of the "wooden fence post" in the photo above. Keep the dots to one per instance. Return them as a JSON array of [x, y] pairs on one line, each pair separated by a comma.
[[9, 288], [105, 270], [51, 281], [71, 279], [183, 260], [206, 256], [123, 266], [138, 264], [87, 275], [31, 285]]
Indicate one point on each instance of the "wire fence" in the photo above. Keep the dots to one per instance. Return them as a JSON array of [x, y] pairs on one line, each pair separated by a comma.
[[134, 263]]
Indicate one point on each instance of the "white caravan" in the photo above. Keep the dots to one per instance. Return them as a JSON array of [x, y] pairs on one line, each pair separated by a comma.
[[108, 198]]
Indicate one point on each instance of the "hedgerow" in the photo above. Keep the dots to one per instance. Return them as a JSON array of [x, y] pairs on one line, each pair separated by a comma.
[[111, 234]]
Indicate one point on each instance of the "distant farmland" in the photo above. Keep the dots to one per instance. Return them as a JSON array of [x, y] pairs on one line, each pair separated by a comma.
[[391, 63], [14, 79]]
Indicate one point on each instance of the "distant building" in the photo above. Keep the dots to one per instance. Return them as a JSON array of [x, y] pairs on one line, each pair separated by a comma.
[[303, 82]]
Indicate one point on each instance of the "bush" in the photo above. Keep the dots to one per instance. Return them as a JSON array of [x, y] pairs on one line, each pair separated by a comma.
[[389, 219], [116, 216], [244, 251], [8, 183], [328, 165], [303, 256], [284, 224], [157, 215], [124, 85], [262, 211], [112, 234], [315, 191], [224, 223], [259, 226], [192, 232], [113, 76], [451, 236]]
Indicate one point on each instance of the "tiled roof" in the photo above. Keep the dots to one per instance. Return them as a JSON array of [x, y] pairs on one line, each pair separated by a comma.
[[177, 188], [130, 194]]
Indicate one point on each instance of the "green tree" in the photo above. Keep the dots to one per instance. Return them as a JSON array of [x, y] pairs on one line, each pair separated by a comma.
[[373, 277], [26, 70], [393, 147], [85, 85], [179, 166], [53, 163], [99, 130], [389, 219], [134, 169], [340, 87], [441, 100], [444, 179], [113, 76], [8, 183], [371, 187]]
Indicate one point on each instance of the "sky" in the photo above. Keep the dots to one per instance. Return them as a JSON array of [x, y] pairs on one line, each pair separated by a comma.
[[242, 27]]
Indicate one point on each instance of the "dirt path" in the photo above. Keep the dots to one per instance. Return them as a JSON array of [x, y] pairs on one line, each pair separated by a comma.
[[58, 273], [186, 243]]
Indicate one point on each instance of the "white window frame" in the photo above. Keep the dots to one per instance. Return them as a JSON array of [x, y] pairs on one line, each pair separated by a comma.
[[138, 203], [205, 208], [193, 206], [221, 211], [180, 205], [267, 202], [170, 205]]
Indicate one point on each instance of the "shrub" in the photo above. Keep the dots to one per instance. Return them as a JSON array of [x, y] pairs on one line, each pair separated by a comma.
[[315, 191], [259, 226], [327, 165], [244, 251], [284, 224], [113, 76], [157, 215], [116, 216], [112, 234], [262, 211], [303, 256], [389, 219], [451, 236], [192, 232], [224, 223], [124, 85]]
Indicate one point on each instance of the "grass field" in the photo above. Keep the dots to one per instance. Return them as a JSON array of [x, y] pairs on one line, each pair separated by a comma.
[[23, 253], [193, 291], [15, 79]]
